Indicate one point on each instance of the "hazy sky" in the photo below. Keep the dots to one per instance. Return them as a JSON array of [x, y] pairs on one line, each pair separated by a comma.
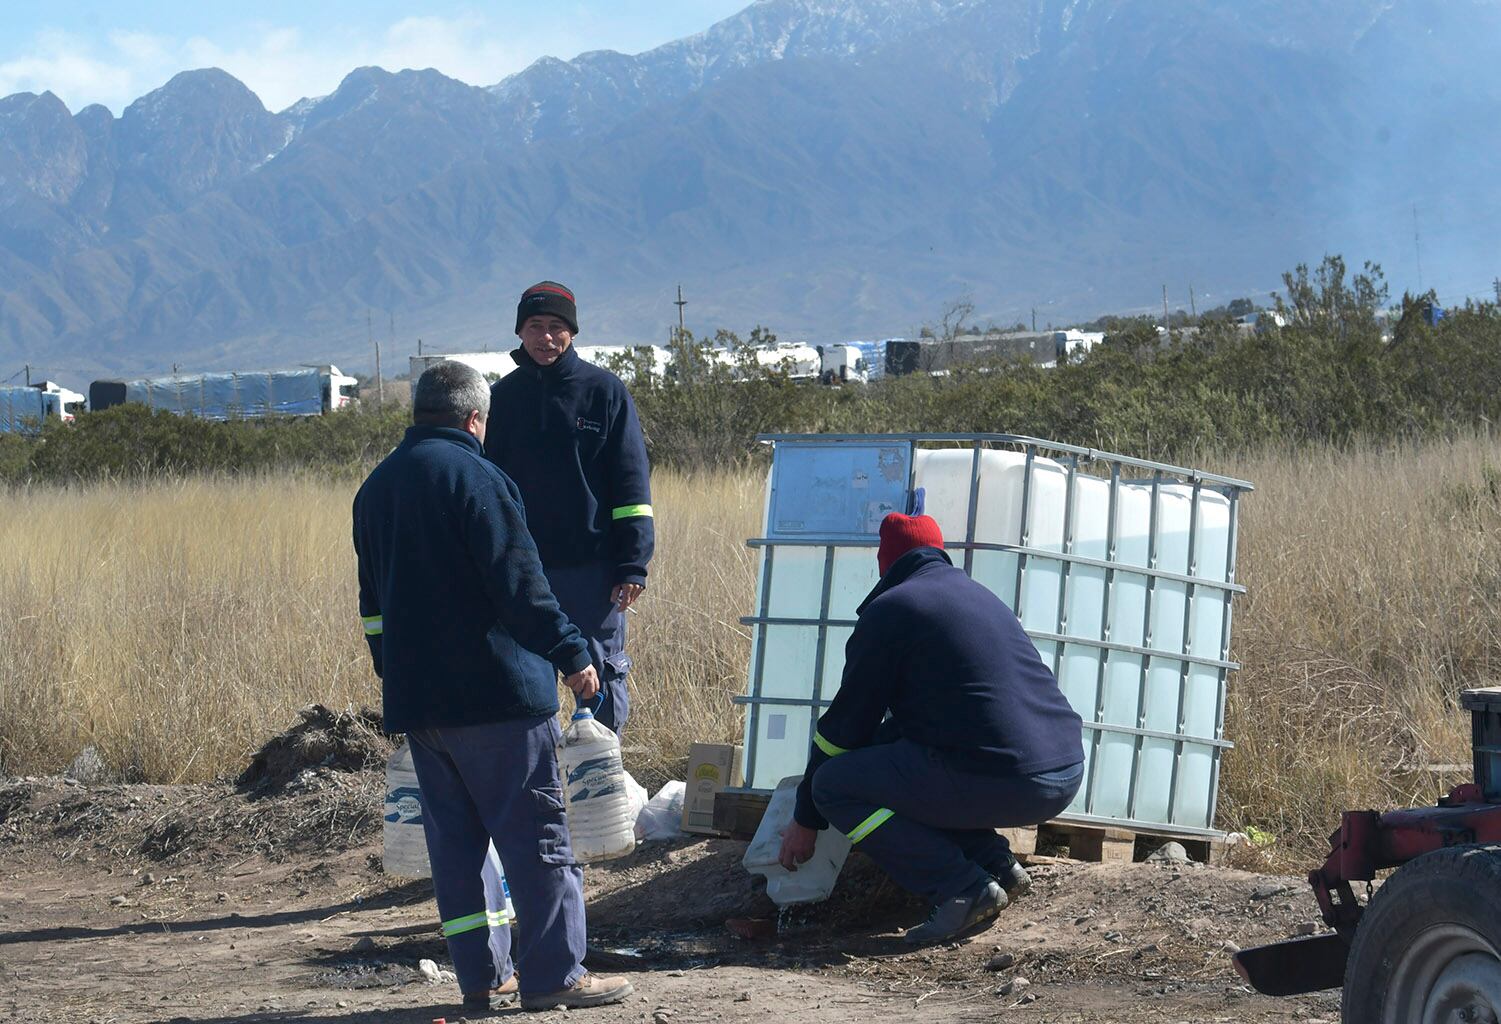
[[112, 53]]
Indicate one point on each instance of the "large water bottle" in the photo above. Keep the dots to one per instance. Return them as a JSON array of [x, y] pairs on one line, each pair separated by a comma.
[[405, 844], [600, 823]]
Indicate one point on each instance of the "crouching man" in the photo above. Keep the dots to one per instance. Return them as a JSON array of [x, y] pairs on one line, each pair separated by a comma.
[[979, 737], [467, 639]]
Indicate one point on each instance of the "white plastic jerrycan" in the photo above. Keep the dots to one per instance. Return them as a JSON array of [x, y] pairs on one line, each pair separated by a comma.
[[814, 880], [601, 825]]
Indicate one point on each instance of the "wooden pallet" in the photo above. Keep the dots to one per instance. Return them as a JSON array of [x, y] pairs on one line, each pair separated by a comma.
[[738, 815], [1100, 844]]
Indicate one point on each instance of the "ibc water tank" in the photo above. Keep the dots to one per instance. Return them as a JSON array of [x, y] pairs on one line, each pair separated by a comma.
[[600, 823]]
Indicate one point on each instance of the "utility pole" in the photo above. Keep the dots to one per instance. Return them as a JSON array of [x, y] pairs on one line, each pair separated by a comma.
[[28, 375], [1497, 285], [1193, 307], [1417, 245], [1034, 319], [419, 348], [380, 387], [1166, 325], [680, 303]]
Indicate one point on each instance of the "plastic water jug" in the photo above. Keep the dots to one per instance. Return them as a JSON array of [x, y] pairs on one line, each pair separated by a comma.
[[498, 907], [812, 881], [405, 844], [601, 824]]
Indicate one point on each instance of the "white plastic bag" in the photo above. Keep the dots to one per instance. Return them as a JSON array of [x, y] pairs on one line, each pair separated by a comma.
[[662, 816]]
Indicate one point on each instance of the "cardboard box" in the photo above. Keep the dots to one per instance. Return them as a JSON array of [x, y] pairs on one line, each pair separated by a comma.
[[711, 768]]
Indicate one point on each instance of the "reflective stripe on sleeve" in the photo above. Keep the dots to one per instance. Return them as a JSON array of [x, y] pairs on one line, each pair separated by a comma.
[[468, 923], [497, 918], [832, 749], [373, 625], [870, 824], [630, 511]]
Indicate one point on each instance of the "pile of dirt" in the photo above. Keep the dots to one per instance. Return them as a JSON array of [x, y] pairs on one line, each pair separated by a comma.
[[325, 812], [344, 741]]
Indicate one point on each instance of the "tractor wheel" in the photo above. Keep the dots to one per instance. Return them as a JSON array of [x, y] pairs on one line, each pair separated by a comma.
[[1428, 948]]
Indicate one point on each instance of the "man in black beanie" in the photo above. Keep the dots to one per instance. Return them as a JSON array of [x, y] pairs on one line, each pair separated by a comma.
[[566, 432]]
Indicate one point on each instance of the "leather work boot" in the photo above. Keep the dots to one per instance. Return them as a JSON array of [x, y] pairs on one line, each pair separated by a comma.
[[502, 995], [954, 917], [590, 990]]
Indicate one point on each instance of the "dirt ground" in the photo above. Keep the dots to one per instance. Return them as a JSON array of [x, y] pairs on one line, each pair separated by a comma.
[[132, 904]]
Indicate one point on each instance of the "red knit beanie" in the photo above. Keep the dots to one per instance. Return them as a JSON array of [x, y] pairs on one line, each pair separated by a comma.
[[901, 534]]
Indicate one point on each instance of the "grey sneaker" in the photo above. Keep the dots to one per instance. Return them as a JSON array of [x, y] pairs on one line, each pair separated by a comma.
[[1015, 881], [956, 916], [590, 990]]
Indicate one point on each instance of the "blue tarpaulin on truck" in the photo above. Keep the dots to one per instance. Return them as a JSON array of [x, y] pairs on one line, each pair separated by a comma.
[[22, 410], [220, 396]]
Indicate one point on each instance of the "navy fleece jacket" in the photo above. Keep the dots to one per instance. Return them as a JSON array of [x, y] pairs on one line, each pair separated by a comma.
[[462, 625], [951, 664], [569, 437]]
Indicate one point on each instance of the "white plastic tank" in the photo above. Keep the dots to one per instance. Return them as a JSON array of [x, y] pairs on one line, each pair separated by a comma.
[[812, 881], [1136, 776], [601, 824]]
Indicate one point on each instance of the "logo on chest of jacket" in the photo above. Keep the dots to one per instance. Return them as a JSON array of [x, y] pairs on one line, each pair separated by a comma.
[[590, 425]]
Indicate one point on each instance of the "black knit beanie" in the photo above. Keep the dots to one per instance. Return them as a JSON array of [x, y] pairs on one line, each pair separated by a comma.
[[547, 298]]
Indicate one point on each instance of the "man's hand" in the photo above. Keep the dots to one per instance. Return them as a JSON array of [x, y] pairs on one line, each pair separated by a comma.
[[624, 595], [797, 845], [584, 684]]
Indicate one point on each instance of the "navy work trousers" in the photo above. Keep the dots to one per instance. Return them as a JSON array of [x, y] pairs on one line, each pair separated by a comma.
[[929, 823], [499, 782], [583, 592]]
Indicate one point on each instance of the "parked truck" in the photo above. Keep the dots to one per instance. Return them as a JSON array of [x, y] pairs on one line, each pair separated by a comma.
[[24, 408], [257, 394], [494, 365], [842, 363]]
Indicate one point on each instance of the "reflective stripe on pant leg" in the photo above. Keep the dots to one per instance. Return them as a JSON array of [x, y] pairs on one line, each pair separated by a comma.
[[870, 824], [374, 624], [467, 923]]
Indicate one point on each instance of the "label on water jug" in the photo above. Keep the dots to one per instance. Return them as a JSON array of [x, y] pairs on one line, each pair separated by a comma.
[[404, 805], [596, 777]]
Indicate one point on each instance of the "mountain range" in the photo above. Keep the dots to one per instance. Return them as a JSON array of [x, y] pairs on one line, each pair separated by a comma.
[[826, 168]]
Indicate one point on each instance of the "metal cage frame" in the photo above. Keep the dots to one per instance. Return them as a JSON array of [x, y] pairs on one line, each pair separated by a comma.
[[1072, 458]]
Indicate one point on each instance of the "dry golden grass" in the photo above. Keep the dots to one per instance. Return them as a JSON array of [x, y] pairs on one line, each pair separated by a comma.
[[1375, 597], [177, 625]]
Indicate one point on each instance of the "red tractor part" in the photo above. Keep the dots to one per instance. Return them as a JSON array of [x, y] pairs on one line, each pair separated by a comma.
[[1427, 947]]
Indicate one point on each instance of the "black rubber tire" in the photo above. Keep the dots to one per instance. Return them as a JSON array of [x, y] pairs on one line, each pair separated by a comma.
[[1460, 885]]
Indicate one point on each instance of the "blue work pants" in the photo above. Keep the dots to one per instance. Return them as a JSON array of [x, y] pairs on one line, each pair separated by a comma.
[[583, 592], [928, 822], [499, 782]]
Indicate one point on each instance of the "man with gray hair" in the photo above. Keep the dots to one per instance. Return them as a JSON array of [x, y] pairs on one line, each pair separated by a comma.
[[468, 641]]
